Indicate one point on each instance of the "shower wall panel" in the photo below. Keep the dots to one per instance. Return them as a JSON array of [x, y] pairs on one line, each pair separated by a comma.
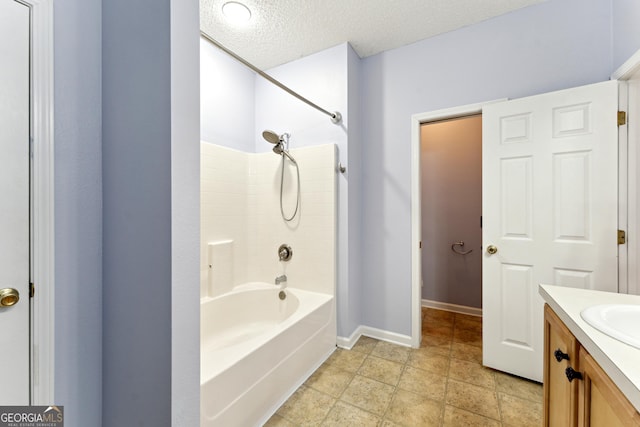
[[223, 204], [240, 202], [311, 234]]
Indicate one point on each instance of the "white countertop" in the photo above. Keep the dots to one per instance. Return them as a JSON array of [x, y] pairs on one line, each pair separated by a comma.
[[620, 361]]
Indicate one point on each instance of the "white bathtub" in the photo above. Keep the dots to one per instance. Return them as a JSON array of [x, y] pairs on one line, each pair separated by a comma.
[[257, 349]]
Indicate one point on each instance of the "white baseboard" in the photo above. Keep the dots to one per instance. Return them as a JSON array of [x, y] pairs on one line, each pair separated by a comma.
[[379, 334], [348, 342], [473, 311]]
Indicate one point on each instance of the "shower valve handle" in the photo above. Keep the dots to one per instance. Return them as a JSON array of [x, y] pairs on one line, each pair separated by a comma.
[[285, 252]]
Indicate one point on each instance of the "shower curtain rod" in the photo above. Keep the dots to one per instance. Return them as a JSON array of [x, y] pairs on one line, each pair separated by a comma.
[[336, 117]]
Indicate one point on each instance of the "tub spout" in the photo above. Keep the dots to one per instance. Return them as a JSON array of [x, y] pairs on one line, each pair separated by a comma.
[[281, 280]]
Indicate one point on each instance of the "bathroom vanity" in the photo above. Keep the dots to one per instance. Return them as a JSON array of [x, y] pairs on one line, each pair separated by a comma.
[[590, 378]]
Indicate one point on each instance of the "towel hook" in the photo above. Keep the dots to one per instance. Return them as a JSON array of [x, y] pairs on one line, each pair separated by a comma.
[[461, 244]]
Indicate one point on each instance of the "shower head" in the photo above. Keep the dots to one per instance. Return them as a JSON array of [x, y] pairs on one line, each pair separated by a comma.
[[281, 143], [274, 138], [271, 136]]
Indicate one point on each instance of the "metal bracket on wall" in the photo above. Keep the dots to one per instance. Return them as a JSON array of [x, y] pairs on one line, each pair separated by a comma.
[[461, 244]]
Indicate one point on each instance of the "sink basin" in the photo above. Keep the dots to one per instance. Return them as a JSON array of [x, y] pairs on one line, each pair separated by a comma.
[[619, 321]]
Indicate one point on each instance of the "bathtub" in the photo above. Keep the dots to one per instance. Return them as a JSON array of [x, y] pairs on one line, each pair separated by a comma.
[[257, 349]]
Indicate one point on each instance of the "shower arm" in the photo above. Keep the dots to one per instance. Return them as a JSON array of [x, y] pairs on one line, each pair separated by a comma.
[[336, 117]]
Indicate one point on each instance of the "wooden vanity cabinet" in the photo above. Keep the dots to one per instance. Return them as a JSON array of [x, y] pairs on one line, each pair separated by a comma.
[[602, 404], [591, 399], [561, 352]]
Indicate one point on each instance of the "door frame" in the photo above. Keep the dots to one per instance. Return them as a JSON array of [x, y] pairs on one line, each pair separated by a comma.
[[629, 74], [42, 340], [416, 210]]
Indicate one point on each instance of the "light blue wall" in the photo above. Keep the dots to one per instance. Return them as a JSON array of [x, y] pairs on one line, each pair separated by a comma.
[[321, 78], [350, 311], [556, 44], [137, 258], [78, 210], [185, 216], [134, 306], [227, 100], [626, 32]]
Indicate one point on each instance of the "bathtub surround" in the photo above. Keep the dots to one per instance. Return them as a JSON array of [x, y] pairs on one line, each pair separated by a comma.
[[240, 202], [224, 211], [262, 337]]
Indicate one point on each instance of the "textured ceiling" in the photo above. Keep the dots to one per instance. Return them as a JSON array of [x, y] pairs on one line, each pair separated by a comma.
[[281, 31]]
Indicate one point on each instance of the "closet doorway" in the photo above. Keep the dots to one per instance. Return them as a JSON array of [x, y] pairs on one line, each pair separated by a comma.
[[451, 205]]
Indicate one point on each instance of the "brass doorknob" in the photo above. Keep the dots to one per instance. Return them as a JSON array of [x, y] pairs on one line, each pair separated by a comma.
[[9, 297], [491, 249]]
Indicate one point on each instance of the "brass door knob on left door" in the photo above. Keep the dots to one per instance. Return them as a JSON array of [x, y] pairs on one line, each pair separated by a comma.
[[9, 297]]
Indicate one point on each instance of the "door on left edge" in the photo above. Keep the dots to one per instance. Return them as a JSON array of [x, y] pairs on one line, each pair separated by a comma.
[[14, 202]]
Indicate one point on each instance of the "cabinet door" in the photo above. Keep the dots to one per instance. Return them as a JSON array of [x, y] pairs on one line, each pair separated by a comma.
[[601, 402], [560, 395]]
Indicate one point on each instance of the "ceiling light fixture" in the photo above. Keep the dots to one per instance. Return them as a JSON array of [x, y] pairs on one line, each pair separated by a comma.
[[236, 12]]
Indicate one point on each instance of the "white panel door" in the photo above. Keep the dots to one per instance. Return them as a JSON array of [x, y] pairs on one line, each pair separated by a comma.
[[14, 202], [549, 208]]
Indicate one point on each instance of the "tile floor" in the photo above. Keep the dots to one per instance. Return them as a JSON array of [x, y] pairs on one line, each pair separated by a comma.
[[440, 384]]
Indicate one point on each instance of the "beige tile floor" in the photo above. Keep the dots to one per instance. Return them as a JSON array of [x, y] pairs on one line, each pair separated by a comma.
[[443, 383]]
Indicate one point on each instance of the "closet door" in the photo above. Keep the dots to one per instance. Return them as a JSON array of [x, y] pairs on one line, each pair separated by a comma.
[[14, 208]]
